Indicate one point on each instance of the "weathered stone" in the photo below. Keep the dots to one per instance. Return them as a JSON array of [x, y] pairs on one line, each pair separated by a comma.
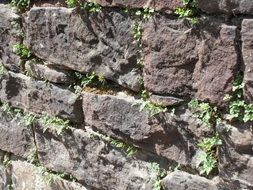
[[4, 177], [101, 42], [180, 180], [165, 100], [52, 74], [27, 176], [246, 32], [15, 137], [92, 161], [38, 96], [10, 31], [226, 6], [158, 5], [190, 62], [121, 118]]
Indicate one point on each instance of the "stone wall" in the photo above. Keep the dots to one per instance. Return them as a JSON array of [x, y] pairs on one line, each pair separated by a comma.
[[101, 96]]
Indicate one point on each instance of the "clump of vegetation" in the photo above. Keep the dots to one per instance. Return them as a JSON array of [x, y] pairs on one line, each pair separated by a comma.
[[207, 160], [21, 4], [129, 150], [91, 6], [55, 123], [3, 70], [157, 174], [145, 13], [189, 11], [22, 51]]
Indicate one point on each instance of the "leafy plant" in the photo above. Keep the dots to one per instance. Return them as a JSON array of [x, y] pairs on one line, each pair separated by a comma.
[[72, 3], [156, 175], [189, 11], [21, 4], [7, 109], [92, 7], [54, 123], [145, 13], [2, 69], [204, 112], [22, 51], [29, 119], [206, 160], [153, 109], [7, 160], [137, 32], [128, 149]]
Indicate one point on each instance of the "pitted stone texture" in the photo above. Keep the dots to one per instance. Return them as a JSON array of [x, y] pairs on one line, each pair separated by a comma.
[[101, 42], [10, 31], [247, 50], [230, 7], [190, 62], [15, 137], [38, 96], [49, 73], [121, 118], [158, 5], [92, 161], [27, 176], [180, 180]]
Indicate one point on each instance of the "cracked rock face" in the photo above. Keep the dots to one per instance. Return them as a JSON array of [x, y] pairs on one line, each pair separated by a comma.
[[188, 62], [102, 43]]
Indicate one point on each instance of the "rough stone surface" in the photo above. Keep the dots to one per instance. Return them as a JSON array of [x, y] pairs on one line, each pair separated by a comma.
[[101, 42], [10, 30], [91, 161], [186, 62], [158, 5], [122, 118], [247, 40], [181, 181], [27, 176], [230, 7], [52, 74], [165, 100], [4, 177], [15, 136], [38, 96]]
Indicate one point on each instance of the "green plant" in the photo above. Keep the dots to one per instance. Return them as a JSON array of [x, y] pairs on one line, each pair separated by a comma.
[[54, 123], [29, 119], [137, 32], [7, 109], [206, 159], [2, 69], [22, 51], [189, 11], [203, 111], [21, 4], [156, 175], [152, 108], [145, 13], [72, 3], [128, 149], [92, 7], [7, 160]]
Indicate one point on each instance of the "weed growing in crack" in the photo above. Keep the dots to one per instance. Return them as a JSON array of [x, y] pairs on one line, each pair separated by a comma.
[[22, 51], [55, 123], [21, 4], [92, 7], [145, 13], [157, 174], [206, 159], [189, 11], [128, 149]]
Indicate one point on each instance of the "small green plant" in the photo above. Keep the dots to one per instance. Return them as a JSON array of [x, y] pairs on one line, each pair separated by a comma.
[[7, 109], [152, 108], [7, 160], [22, 51], [3, 70], [206, 159], [54, 123], [189, 11], [128, 149], [92, 7], [92, 80], [156, 175], [145, 13], [203, 111], [21, 4], [72, 3], [29, 119], [137, 32]]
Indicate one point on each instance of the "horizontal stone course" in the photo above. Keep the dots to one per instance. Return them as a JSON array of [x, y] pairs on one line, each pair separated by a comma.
[[38, 96]]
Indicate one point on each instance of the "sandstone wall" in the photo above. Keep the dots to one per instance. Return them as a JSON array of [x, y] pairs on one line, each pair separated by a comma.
[[99, 97]]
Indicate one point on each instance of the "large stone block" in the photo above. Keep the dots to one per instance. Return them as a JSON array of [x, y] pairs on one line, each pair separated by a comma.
[[38, 96], [93, 162], [15, 137], [186, 62], [230, 7], [164, 134], [101, 42], [247, 50], [27, 176], [180, 180], [158, 5], [10, 31]]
